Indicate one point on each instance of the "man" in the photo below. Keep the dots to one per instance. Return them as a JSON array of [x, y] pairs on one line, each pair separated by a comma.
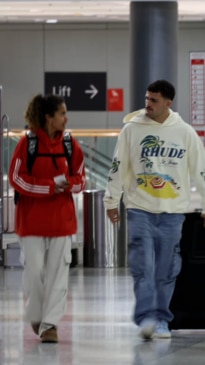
[[156, 155]]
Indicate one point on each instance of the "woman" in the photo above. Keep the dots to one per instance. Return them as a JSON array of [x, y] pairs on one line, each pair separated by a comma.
[[45, 212]]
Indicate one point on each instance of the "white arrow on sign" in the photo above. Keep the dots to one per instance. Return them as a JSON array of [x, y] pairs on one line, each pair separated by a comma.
[[93, 91]]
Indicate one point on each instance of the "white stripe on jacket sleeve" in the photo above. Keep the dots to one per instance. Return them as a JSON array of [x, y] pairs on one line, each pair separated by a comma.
[[39, 189]]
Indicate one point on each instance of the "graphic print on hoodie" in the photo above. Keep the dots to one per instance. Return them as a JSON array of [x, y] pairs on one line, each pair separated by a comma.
[[152, 181]]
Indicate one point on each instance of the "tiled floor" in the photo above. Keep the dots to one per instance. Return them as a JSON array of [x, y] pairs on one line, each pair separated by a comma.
[[96, 330]]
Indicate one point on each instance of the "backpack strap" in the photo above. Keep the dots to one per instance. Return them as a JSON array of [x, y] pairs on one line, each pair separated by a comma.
[[32, 148], [67, 143]]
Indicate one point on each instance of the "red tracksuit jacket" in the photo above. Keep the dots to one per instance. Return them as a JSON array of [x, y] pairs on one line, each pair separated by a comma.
[[41, 212]]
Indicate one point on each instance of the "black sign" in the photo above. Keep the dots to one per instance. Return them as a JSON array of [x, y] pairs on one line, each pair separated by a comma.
[[82, 91]]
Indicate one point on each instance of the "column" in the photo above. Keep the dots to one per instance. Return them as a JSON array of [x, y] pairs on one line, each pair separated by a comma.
[[153, 46]]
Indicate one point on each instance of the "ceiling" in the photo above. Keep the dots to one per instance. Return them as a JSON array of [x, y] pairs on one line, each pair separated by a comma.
[[39, 11]]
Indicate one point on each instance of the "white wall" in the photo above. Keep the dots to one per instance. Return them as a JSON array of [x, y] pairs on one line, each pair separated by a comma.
[[27, 51]]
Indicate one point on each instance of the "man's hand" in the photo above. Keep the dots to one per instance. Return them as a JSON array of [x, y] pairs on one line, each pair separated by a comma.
[[113, 215]]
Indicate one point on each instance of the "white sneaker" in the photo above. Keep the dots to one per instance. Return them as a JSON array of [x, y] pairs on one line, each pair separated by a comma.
[[147, 328], [162, 330]]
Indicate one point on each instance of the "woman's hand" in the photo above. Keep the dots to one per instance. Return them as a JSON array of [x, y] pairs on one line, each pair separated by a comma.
[[60, 188]]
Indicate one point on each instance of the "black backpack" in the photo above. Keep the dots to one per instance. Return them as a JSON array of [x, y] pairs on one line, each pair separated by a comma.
[[32, 153]]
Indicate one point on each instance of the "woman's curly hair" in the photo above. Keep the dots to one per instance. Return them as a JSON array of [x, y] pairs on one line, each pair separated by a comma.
[[39, 106]]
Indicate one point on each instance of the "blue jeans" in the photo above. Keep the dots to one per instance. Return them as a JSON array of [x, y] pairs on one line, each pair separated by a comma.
[[154, 260]]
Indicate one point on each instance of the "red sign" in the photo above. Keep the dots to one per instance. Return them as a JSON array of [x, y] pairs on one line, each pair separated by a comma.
[[197, 62], [201, 134], [115, 100]]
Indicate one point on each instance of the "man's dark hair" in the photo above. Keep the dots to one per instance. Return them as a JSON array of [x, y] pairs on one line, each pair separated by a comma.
[[163, 87]]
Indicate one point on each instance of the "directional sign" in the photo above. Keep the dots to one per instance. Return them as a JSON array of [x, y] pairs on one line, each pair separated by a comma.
[[82, 91]]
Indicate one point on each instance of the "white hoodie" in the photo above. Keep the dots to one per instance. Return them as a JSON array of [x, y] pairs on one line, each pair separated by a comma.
[[153, 164]]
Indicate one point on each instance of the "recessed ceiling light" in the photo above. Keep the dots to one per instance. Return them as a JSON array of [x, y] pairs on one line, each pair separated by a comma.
[[35, 10], [38, 20], [88, 14], [53, 21]]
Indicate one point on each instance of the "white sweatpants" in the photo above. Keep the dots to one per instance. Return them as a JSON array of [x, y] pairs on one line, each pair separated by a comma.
[[46, 268]]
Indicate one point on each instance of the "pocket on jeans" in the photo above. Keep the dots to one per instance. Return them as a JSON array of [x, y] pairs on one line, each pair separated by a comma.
[[22, 259], [67, 258], [176, 263]]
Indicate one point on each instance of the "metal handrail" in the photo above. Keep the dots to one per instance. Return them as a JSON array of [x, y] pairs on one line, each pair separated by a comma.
[[95, 150], [77, 132]]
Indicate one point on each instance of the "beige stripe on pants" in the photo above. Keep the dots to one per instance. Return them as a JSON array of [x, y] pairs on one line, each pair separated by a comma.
[[46, 269]]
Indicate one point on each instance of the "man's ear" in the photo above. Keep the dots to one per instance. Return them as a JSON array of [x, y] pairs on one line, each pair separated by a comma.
[[169, 103]]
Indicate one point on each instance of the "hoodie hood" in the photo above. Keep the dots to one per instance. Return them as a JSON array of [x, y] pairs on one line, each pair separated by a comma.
[[47, 140], [133, 117], [139, 116]]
